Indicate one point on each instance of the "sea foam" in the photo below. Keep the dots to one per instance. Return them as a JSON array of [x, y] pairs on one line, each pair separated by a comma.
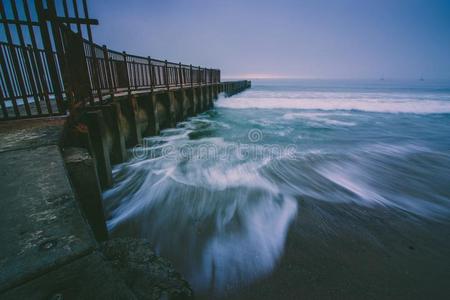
[[369, 102]]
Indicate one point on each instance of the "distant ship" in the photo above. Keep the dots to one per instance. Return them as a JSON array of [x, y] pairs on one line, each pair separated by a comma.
[[382, 77], [421, 78]]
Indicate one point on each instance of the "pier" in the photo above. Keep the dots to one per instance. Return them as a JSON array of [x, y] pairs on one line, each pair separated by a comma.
[[69, 110]]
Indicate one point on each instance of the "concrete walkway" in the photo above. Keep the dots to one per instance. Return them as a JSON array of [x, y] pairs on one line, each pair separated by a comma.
[[46, 247]]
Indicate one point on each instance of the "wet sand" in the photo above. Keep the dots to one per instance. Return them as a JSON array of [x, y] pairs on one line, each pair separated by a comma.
[[342, 251]]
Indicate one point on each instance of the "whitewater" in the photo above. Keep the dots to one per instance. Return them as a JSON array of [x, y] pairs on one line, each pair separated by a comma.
[[294, 180]]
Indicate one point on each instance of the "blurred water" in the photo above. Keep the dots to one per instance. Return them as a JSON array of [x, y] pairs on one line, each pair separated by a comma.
[[217, 194]]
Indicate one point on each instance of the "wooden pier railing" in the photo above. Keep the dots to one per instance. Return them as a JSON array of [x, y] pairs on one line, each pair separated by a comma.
[[50, 64]]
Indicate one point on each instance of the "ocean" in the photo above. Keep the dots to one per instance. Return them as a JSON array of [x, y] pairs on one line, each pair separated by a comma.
[[299, 188]]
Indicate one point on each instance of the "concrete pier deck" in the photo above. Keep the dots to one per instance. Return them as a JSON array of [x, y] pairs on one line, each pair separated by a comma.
[[46, 246]]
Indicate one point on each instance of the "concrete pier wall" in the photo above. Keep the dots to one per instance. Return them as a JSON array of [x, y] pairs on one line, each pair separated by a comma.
[[123, 123]]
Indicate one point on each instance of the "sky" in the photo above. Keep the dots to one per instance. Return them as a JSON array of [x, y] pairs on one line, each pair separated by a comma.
[[285, 38]]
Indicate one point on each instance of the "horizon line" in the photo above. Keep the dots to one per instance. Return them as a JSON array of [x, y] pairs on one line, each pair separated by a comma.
[[246, 77]]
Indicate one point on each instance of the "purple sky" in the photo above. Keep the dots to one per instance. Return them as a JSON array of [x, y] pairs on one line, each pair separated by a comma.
[[300, 39]]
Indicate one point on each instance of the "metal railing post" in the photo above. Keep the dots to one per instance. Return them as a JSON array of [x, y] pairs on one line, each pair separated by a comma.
[[150, 71], [191, 76], [51, 62], [109, 79], [166, 75], [126, 72], [180, 75]]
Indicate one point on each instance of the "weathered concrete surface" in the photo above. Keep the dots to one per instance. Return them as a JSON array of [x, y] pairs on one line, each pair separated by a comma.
[[163, 110], [131, 119], [41, 226], [83, 174], [150, 125], [47, 249], [31, 133], [149, 276], [89, 277], [100, 139]]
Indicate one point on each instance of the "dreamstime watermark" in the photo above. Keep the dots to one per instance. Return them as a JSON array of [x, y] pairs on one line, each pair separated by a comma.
[[255, 135], [187, 150]]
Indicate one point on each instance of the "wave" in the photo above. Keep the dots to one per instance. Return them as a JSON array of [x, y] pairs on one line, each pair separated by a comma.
[[335, 101], [372, 175], [325, 118], [232, 221]]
